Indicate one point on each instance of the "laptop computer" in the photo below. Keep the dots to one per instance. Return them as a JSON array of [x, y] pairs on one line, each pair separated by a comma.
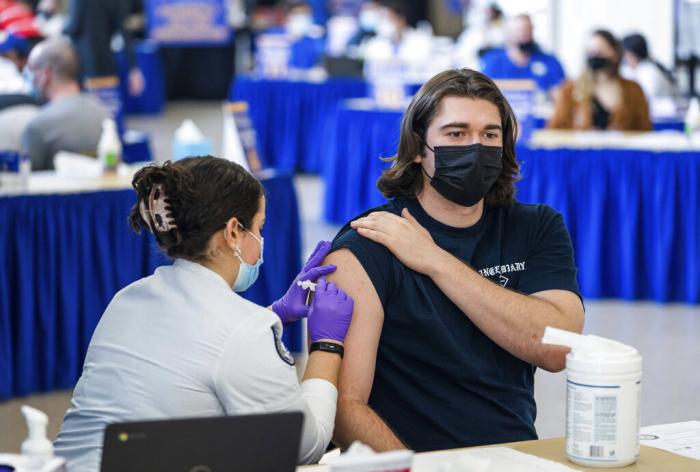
[[343, 66], [256, 443]]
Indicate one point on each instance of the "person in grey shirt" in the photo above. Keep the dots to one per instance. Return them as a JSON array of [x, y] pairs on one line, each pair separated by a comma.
[[70, 121]]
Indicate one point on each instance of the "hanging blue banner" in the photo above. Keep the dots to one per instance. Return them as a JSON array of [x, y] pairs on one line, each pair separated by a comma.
[[188, 22]]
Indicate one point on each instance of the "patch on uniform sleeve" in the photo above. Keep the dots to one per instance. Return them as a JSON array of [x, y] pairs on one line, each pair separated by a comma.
[[282, 350]]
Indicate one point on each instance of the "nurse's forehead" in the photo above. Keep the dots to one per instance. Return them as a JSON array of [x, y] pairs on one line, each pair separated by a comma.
[[476, 112]]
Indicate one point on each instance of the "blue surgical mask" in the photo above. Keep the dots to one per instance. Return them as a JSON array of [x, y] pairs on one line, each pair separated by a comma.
[[248, 274]]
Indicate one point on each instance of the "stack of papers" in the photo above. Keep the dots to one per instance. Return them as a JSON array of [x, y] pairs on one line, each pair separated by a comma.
[[486, 459], [679, 438]]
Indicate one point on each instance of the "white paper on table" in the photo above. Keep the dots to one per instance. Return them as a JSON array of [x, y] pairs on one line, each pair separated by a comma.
[[495, 459], [485, 459], [680, 438], [25, 464], [77, 166]]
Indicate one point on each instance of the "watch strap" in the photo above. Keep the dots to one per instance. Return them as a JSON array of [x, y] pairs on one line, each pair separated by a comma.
[[327, 347]]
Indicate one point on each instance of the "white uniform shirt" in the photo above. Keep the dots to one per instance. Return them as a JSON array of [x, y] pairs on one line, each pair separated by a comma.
[[181, 343], [653, 82]]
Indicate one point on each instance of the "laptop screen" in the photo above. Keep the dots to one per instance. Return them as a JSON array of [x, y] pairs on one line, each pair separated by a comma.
[[266, 442]]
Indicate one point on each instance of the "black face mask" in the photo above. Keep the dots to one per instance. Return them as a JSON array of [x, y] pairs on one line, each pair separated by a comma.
[[464, 174], [527, 47], [597, 63]]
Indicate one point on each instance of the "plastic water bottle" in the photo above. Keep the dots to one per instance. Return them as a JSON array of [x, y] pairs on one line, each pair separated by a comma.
[[109, 149], [604, 386]]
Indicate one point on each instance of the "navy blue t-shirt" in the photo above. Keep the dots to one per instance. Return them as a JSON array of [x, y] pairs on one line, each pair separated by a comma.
[[440, 382], [543, 68]]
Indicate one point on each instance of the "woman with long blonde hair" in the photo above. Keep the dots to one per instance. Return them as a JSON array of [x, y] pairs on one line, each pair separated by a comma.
[[600, 98]]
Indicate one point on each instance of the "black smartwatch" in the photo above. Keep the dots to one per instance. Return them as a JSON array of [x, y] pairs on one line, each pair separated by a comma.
[[327, 347]]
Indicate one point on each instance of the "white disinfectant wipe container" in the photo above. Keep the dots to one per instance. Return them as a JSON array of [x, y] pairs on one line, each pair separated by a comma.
[[604, 386]]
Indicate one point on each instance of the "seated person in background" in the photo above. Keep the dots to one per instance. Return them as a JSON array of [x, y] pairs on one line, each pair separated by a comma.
[[600, 98], [485, 29], [17, 107], [368, 20], [394, 33], [14, 49], [70, 121], [522, 58], [51, 18], [655, 79], [308, 44], [453, 281], [14, 89]]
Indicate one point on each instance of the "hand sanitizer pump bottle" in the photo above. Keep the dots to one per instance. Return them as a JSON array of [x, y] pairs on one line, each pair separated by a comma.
[[37, 446], [109, 148]]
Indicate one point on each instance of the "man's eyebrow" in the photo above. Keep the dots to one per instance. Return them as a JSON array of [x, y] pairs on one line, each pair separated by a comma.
[[464, 125], [455, 124]]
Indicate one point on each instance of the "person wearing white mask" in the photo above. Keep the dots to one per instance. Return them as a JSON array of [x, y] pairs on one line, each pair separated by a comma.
[[393, 23], [299, 19], [183, 343], [308, 45], [368, 17], [394, 36]]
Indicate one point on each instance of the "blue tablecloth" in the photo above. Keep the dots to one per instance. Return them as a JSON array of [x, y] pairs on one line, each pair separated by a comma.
[[633, 216], [291, 117], [666, 124], [63, 258], [355, 147]]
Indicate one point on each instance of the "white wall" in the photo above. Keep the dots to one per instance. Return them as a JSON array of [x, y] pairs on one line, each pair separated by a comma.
[[573, 20]]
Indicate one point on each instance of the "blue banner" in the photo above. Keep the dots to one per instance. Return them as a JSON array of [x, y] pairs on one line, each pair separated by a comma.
[[188, 22]]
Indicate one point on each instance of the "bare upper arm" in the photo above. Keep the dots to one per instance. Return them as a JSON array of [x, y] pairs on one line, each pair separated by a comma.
[[362, 340]]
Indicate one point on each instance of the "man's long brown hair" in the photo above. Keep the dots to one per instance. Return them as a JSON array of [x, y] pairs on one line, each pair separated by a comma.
[[405, 178]]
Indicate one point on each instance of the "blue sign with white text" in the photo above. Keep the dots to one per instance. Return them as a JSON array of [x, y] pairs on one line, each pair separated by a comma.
[[188, 22]]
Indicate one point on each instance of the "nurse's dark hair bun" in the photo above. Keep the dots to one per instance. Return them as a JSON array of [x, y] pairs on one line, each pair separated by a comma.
[[184, 203]]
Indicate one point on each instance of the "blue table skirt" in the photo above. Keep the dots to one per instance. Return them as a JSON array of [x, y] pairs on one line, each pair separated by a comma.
[[63, 258], [633, 216], [357, 143], [291, 117]]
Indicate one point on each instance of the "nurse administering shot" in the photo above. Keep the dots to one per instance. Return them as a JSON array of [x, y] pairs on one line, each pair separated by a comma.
[[183, 343]]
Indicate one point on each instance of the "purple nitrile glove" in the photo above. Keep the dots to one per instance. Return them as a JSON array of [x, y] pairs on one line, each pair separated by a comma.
[[330, 313], [292, 306]]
